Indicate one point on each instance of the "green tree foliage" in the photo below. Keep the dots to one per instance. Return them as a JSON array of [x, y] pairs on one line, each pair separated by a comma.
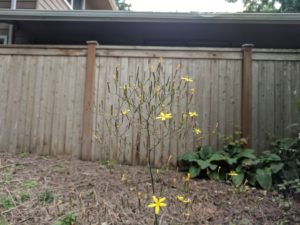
[[280, 6], [122, 5]]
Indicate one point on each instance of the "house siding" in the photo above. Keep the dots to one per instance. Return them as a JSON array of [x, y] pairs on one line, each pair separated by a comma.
[[52, 5], [21, 4]]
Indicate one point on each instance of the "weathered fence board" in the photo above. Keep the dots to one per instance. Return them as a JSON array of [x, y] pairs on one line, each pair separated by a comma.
[[41, 103], [42, 96], [275, 91]]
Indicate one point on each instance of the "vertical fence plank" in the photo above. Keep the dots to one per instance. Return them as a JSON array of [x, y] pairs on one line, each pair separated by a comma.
[[86, 151], [246, 93]]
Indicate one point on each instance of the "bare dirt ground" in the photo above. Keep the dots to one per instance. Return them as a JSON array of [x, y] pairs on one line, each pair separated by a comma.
[[36, 190]]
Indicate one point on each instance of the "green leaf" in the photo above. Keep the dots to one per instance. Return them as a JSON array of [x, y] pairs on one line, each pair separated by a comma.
[[212, 166], [246, 153], [206, 152], [251, 177], [276, 167], [203, 164], [214, 175], [194, 171], [238, 179], [270, 157], [217, 157], [189, 156], [264, 178], [231, 161]]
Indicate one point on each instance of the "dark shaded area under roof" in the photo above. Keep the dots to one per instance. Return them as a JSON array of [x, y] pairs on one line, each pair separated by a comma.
[[159, 29]]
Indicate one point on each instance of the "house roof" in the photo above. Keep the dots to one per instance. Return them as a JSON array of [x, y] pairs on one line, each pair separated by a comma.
[[150, 28]]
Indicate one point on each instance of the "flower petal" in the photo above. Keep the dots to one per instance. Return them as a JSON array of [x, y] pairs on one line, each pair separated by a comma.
[[151, 205], [162, 204], [154, 199], [162, 199], [156, 210]]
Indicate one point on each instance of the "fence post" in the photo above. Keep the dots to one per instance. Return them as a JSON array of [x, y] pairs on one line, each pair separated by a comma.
[[87, 127], [247, 93]]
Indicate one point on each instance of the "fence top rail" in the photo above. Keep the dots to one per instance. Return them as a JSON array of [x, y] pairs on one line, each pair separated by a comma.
[[151, 52]]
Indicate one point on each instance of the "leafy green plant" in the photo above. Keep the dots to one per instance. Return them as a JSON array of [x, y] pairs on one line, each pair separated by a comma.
[[46, 196], [290, 187], [6, 202], [68, 219], [236, 163]]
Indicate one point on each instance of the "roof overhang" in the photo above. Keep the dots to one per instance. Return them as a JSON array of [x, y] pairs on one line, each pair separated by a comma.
[[149, 28]]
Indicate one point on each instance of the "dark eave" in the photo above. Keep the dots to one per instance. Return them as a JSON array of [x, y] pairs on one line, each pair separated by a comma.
[[155, 29]]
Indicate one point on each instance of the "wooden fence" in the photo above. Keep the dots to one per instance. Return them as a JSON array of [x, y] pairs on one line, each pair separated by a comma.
[[49, 97]]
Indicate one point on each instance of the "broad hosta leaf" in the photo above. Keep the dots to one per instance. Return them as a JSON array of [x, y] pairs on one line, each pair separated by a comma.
[[251, 177], [189, 156], [206, 152], [216, 157], [203, 164], [264, 178], [238, 180], [194, 171], [214, 175], [246, 153], [270, 157], [276, 167], [231, 161], [212, 166]]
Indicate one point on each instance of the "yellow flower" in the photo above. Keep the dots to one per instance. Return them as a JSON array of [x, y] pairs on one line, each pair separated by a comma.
[[164, 116], [184, 200], [125, 112], [232, 173], [157, 204], [193, 91], [197, 130], [187, 178], [187, 79], [193, 114]]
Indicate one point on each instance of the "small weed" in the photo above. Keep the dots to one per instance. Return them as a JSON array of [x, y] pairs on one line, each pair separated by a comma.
[[109, 164], [6, 203], [29, 184], [23, 197], [68, 219], [46, 196], [24, 154], [3, 221], [19, 167]]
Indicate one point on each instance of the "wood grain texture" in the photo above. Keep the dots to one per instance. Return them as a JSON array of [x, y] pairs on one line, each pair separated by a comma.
[[42, 99]]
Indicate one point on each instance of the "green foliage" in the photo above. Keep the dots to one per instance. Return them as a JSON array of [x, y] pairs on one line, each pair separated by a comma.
[[68, 219], [277, 6], [122, 5], [29, 184], [234, 163], [6, 202], [290, 187], [3, 221], [46, 196]]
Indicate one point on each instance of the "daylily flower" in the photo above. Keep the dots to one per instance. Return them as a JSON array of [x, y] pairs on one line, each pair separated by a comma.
[[193, 114], [164, 116], [157, 204], [197, 130], [125, 112], [187, 178], [187, 79], [184, 200], [232, 173]]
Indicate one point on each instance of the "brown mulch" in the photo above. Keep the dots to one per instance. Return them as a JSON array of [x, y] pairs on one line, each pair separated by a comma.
[[109, 194]]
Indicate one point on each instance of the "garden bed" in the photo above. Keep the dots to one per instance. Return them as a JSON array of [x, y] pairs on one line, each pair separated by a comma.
[[37, 190]]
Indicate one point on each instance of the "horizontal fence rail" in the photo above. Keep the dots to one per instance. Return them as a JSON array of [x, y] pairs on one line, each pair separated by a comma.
[[54, 99]]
